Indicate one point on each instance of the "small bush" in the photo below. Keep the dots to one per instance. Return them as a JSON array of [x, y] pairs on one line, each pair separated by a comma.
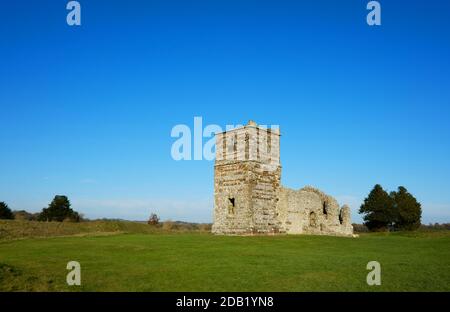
[[360, 228], [153, 220], [205, 227], [169, 226], [24, 215]]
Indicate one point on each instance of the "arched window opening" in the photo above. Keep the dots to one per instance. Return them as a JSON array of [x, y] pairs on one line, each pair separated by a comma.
[[312, 219], [231, 205]]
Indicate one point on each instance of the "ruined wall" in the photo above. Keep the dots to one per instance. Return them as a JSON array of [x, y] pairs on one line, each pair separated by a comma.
[[310, 211], [248, 196]]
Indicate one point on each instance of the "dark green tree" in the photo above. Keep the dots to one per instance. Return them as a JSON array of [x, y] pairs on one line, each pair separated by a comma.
[[59, 210], [5, 212], [408, 211], [378, 210]]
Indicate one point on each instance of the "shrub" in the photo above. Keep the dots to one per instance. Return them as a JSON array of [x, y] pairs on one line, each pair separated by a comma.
[[169, 225], [154, 219], [5, 212], [360, 228], [205, 227], [24, 215]]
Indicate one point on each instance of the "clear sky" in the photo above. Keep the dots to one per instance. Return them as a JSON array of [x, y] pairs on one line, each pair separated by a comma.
[[87, 111]]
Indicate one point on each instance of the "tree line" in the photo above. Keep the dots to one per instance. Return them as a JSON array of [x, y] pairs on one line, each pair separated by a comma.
[[58, 210]]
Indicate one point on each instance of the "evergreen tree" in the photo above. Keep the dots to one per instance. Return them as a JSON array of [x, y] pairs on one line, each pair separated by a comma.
[[5, 212], [408, 210], [59, 210], [378, 209]]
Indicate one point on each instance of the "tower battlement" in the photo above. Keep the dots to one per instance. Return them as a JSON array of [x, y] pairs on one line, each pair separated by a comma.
[[249, 143]]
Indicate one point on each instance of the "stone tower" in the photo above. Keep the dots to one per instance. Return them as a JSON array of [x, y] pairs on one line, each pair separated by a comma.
[[247, 180]]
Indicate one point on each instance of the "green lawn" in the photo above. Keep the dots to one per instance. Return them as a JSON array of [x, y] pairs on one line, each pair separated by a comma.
[[203, 262]]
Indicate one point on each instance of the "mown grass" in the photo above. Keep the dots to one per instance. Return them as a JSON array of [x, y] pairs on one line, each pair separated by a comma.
[[203, 262]]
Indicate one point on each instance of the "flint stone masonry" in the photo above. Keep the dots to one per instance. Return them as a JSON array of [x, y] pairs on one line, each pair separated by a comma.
[[249, 198]]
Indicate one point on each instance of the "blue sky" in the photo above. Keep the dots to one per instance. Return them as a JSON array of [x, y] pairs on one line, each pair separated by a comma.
[[87, 111]]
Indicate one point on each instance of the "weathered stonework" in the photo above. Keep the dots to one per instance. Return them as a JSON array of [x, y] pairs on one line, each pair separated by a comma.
[[248, 196]]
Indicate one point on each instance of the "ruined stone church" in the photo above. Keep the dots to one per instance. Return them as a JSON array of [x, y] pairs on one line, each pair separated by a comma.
[[249, 197]]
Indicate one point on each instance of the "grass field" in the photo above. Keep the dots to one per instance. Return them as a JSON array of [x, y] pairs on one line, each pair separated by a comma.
[[202, 262]]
